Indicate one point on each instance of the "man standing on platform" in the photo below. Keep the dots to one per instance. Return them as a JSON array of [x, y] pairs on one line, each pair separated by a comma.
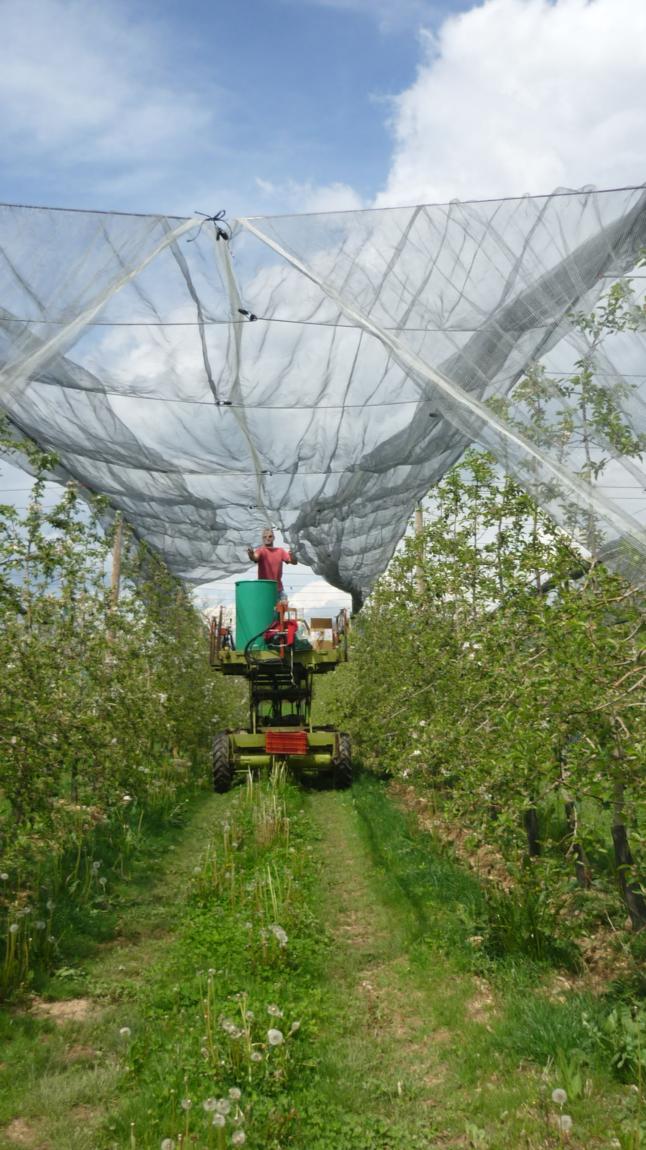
[[270, 560]]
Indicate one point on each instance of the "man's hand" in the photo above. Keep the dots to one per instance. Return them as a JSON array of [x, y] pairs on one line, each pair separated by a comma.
[[252, 554], [292, 556]]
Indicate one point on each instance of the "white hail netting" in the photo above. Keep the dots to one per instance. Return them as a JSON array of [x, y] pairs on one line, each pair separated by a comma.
[[380, 337]]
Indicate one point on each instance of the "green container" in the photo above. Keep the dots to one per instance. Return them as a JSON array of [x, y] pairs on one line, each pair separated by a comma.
[[255, 607]]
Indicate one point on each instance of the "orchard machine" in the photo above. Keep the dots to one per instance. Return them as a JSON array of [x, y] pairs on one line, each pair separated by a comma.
[[280, 656]]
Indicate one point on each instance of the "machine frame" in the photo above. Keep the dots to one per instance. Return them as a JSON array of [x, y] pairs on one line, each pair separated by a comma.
[[281, 681]]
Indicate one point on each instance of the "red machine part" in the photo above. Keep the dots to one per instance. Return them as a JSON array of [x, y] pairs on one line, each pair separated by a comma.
[[286, 742], [282, 632], [286, 632]]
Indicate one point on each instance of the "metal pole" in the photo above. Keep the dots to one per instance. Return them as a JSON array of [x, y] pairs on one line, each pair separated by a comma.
[[115, 584], [420, 581]]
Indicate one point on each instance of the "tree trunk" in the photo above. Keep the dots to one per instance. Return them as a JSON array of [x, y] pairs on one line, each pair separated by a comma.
[[576, 848], [629, 886], [581, 864], [530, 819]]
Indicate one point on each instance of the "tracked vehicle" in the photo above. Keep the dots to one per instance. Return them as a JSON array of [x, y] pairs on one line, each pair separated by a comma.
[[281, 657]]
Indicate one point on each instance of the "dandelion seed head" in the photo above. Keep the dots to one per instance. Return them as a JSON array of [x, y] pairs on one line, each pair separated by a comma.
[[279, 934], [186, 1103], [275, 1037], [235, 1094], [559, 1097], [238, 1138], [209, 1104], [126, 798], [256, 1056], [249, 1015], [4, 876], [96, 865], [295, 1026], [218, 1120], [40, 925], [125, 1032], [14, 928], [274, 1010], [168, 1144], [564, 1123]]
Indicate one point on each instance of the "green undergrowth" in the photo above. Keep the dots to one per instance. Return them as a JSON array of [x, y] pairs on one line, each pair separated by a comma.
[[491, 934], [227, 1024], [487, 929], [593, 1042], [202, 1012], [70, 894], [299, 970], [56, 1067]]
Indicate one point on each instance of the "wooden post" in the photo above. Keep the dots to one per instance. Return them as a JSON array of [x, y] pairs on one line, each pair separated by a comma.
[[115, 584], [420, 582]]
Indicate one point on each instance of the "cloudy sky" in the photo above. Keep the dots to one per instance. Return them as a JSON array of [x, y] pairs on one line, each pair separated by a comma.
[[270, 106]]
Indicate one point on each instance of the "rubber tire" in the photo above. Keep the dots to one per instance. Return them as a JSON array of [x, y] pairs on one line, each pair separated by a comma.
[[222, 764], [343, 765]]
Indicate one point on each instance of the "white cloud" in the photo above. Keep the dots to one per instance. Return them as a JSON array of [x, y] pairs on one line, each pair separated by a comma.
[[318, 598], [519, 96], [81, 82], [307, 197]]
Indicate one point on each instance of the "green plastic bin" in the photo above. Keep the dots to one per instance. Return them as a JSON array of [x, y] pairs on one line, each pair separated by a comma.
[[255, 607]]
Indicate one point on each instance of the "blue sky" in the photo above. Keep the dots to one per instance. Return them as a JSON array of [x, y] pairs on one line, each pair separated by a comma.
[[273, 106], [254, 94]]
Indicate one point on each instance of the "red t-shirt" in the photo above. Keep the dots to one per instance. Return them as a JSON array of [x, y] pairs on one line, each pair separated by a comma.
[[270, 563]]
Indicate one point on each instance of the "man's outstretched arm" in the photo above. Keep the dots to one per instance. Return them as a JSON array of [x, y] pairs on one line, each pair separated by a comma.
[[251, 552]]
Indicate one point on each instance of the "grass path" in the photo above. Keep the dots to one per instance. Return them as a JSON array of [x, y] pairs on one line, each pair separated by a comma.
[[406, 1039], [405, 1013], [388, 1062]]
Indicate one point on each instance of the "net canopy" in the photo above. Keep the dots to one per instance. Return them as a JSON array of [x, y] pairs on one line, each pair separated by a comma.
[[322, 372]]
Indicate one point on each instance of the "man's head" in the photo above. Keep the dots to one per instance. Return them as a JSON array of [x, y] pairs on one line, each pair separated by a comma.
[[268, 537]]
